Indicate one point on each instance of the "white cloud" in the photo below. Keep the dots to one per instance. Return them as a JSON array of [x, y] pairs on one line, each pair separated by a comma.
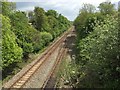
[[69, 8]]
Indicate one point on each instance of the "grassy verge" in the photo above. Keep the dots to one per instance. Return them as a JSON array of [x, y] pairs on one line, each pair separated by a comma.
[[66, 76]]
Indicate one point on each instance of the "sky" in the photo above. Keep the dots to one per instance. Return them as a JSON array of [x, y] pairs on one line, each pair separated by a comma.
[[69, 8]]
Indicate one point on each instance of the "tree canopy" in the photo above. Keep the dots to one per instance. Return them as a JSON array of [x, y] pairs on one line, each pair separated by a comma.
[[106, 8], [8, 8]]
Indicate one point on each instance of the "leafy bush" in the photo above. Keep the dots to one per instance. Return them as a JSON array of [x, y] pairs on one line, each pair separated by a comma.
[[99, 55], [46, 37], [52, 13], [8, 8], [37, 41], [88, 22], [28, 38], [11, 52]]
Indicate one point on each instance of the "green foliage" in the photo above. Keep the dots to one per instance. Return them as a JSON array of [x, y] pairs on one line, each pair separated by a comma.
[[64, 23], [40, 19], [50, 21], [8, 8], [52, 13], [54, 25], [68, 72], [27, 37], [98, 46], [87, 8], [36, 40], [21, 28], [46, 37], [106, 8], [88, 22], [11, 52], [84, 13], [99, 55]]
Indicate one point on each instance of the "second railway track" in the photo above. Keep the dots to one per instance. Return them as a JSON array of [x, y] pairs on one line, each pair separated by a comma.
[[61, 54]]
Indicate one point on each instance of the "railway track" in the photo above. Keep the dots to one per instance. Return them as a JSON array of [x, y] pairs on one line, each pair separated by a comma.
[[23, 79], [61, 54], [49, 83]]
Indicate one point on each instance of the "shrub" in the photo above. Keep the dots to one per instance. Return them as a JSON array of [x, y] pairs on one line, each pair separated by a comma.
[[46, 37], [99, 55], [11, 52]]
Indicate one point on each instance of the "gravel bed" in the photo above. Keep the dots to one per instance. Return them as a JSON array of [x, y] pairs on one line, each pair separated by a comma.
[[37, 80]]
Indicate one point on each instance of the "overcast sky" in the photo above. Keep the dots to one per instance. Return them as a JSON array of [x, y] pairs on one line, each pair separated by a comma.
[[69, 8]]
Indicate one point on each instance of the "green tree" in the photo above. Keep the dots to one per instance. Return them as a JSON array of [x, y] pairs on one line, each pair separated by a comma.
[[41, 19], [46, 37], [85, 21], [87, 8], [28, 37], [50, 21], [11, 52], [52, 13], [54, 25], [64, 23], [21, 28], [106, 8], [33, 36], [8, 8]]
